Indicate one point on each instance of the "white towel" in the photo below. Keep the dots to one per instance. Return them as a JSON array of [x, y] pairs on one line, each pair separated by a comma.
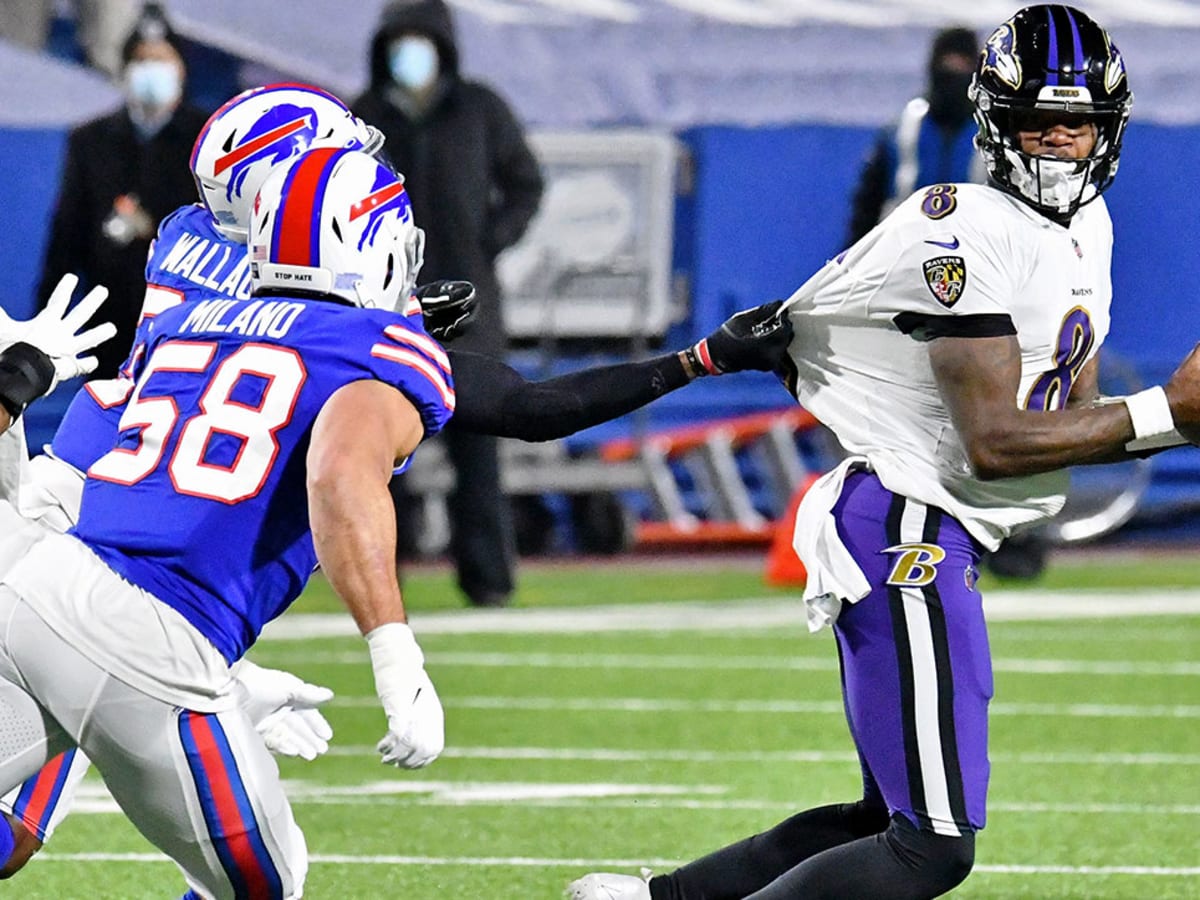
[[834, 577]]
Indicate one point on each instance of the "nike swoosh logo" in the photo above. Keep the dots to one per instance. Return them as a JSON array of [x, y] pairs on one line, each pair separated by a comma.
[[951, 244]]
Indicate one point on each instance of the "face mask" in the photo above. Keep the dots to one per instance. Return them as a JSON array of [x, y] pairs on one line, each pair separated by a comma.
[[153, 83], [413, 60], [948, 101]]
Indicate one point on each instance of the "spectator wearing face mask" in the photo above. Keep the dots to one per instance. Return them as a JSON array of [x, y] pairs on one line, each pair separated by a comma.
[[474, 186], [124, 172], [933, 140]]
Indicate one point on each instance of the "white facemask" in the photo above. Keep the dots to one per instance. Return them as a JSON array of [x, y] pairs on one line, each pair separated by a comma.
[[1057, 183], [413, 61], [153, 83]]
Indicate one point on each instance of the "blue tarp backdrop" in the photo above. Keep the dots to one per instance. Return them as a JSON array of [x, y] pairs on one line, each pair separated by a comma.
[[768, 207], [775, 103]]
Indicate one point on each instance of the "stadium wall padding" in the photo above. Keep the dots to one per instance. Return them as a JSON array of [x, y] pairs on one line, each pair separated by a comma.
[[767, 207]]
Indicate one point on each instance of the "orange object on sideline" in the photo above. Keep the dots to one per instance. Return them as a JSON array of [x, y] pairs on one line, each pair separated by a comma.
[[783, 566]]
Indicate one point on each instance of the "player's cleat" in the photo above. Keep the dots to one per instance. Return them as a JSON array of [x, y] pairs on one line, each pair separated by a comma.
[[609, 886]]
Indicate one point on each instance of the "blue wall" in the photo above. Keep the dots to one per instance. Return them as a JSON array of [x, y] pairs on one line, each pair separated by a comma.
[[30, 161], [768, 207]]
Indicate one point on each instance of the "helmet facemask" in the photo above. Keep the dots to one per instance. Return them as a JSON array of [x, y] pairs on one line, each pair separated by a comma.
[[1053, 185]]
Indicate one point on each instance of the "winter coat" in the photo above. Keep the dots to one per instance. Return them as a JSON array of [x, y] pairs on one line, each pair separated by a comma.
[[107, 159], [472, 178]]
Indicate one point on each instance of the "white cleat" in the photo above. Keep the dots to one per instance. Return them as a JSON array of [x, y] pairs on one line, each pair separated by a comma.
[[608, 886]]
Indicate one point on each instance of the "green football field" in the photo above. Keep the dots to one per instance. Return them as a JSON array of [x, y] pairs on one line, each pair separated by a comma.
[[642, 713]]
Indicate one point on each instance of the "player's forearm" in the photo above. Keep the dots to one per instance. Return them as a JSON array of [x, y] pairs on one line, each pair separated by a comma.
[[494, 399], [354, 532], [360, 433], [1033, 443]]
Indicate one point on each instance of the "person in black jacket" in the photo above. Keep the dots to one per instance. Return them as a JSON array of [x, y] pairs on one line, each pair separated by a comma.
[[933, 140], [474, 185], [123, 172]]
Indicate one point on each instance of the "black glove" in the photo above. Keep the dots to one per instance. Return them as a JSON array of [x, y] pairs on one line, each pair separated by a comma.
[[447, 307], [25, 374], [756, 338]]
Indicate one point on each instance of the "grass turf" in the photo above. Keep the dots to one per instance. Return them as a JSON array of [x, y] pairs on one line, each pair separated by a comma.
[[570, 752]]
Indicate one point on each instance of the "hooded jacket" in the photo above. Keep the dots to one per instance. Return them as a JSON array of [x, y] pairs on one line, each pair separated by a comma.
[[473, 181]]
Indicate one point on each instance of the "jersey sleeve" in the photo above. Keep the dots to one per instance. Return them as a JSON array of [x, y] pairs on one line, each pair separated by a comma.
[[403, 355]]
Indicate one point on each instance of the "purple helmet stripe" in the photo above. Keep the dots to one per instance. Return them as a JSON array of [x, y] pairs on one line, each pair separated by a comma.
[[1052, 49]]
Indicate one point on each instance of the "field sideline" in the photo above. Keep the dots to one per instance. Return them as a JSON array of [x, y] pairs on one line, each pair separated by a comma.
[[588, 734]]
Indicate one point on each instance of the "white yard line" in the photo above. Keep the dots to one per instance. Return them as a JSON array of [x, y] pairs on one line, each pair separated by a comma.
[[593, 754], [756, 707], [585, 863], [272, 655], [93, 798], [732, 615]]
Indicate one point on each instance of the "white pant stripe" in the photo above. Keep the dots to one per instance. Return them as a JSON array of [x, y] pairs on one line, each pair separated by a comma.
[[925, 686]]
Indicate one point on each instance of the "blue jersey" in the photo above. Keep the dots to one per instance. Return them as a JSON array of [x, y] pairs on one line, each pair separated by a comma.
[[202, 501], [189, 260], [190, 255]]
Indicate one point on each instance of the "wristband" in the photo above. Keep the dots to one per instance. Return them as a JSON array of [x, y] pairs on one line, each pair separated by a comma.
[[699, 361], [394, 653], [1150, 413]]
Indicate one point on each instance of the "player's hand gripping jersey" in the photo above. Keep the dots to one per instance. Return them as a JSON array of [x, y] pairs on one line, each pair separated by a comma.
[[952, 260], [222, 463]]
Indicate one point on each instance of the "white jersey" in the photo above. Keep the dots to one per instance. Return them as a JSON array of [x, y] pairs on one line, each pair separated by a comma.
[[952, 259]]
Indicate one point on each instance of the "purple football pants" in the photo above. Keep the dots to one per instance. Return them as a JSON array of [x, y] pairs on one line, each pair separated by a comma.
[[916, 668]]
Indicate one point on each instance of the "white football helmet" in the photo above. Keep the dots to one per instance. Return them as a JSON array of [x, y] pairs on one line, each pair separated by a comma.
[[259, 129], [336, 222]]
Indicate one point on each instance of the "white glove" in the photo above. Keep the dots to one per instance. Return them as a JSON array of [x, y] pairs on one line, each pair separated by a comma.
[[416, 724], [54, 330], [284, 710]]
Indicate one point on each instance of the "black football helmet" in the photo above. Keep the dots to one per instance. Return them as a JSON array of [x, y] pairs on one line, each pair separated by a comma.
[[1050, 58]]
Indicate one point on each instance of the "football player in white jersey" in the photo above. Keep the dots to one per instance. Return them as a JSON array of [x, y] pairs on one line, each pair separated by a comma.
[[953, 352]]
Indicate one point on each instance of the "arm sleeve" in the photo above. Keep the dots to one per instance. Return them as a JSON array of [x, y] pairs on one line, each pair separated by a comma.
[[516, 176], [495, 399]]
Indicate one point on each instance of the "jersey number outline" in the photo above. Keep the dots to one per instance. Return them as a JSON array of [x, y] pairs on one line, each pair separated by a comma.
[[156, 417], [1076, 338]]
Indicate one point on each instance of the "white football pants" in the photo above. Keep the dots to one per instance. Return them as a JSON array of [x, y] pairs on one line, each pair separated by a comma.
[[201, 787]]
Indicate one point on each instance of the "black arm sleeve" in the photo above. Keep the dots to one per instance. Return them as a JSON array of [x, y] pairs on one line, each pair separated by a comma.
[[493, 398]]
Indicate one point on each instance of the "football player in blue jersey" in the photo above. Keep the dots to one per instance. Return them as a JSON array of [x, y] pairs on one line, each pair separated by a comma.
[[200, 251], [259, 437]]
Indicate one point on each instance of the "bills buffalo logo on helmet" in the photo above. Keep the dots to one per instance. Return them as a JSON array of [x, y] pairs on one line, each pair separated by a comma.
[[387, 194], [278, 135], [999, 55], [946, 277]]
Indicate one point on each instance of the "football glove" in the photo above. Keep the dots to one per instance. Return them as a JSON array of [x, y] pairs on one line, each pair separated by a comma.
[[446, 307], [56, 330], [756, 339], [416, 732], [284, 710]]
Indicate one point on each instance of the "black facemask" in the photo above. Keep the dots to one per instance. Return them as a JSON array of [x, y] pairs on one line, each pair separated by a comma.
[[948, 102]]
